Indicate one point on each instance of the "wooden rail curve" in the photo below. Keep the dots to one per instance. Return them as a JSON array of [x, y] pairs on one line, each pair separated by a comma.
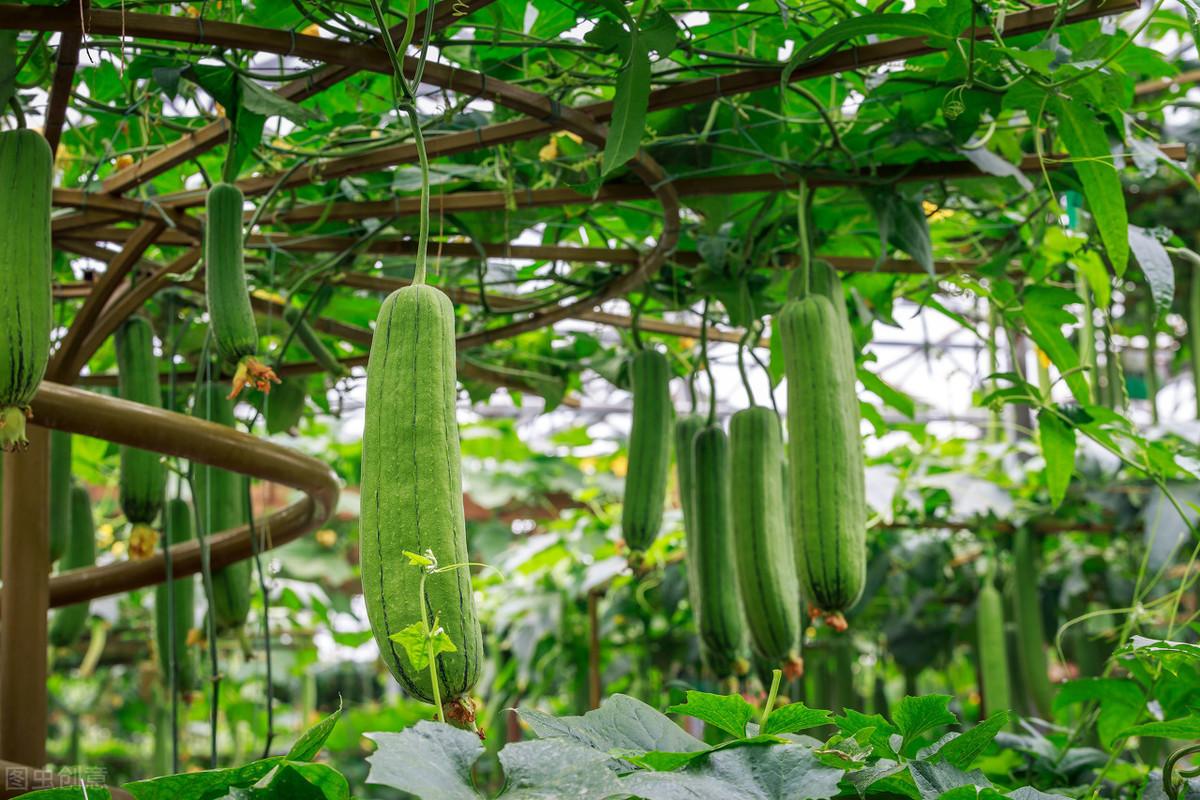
[[160, 431]]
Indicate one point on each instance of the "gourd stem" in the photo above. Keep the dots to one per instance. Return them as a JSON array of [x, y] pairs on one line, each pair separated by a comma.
[[804, 251], [741, 362], [423, 236], [712, 382], [635, 322]]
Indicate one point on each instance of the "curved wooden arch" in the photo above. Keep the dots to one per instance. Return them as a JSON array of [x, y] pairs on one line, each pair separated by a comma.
[[157, 430]]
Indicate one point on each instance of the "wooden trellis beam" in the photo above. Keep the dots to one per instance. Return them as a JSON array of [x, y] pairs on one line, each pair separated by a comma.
[[60, 87], [583, 255], [457, 202], [69, 358]]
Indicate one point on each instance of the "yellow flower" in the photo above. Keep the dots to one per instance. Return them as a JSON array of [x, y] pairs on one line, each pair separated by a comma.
[[619, 466], [327, 537], [124, 161], [549, 151]]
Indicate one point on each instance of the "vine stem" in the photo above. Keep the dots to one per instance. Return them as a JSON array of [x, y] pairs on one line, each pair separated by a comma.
[[433, 678], [802, 237], [776, 675], [712, 382]]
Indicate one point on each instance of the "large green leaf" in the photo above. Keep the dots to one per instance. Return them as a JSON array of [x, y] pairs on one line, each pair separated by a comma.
[[429, 760], [1044, 309], [910, 24], [629, 108], [1057, 439], [1082, 132]]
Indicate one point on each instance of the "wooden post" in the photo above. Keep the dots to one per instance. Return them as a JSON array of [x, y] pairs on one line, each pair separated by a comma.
[[26, 595]]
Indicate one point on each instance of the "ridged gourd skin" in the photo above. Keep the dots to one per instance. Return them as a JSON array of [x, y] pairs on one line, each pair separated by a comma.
[[285, 406], [649, 451], [686, 428], [143, 479], [412, 491], [231, 317], [719, 615], [310, 341], [178, 528], [69, 622], [60, 493], [766, 570], [220, 498], [825, 454], [1031, 649], [26, 170], [992, 650]]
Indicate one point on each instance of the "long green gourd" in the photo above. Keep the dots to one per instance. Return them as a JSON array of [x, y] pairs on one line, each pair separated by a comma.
[[649, 452], [1031, 649], [60, 493], [69, 622], [766, 571], [231, 316], [177, 525], [143, 479], [825, 455], [993, 652], [412, 494], [220, 498], [26, 170], [686, 428], [719, 615]]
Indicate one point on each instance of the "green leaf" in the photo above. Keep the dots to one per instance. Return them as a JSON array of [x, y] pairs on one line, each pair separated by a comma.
[[887, 393], [429, 760], [310, 743], [935, 779], [782, 771], [1030, 793], [914, 716], [962, 750], [1184, 728], [1082, 133], [1156, 265], [1092, 268], [1045, 314], [415, 643], [556, 768], [1057, 439], [629, 108], [659, 32], [910, 24], [254, 97], [620, 723], [301, 781], [796, 717], [729, 713], [202, 785], [1121, 700]]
